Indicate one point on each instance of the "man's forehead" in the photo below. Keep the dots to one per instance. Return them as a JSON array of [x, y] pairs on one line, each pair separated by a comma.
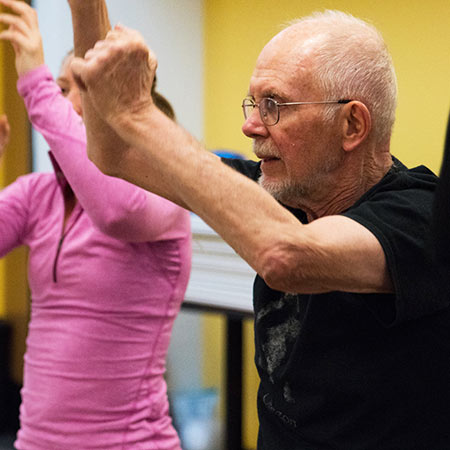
[[285, 63], [268, 83], [295, 43], [279, 76]]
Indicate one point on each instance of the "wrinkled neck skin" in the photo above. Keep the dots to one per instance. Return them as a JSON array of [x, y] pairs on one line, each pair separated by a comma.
[[337, 192]]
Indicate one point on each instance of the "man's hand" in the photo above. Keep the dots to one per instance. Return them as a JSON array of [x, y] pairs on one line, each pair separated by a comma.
[[4, 133], [24, 35], [117, 75]]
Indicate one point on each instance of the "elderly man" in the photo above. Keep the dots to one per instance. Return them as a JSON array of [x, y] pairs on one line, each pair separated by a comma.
[[352, 325]]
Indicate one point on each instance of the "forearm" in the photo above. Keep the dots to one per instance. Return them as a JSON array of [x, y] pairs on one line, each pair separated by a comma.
[[168, 161], [90, 23], [158, 155], [335, 254]]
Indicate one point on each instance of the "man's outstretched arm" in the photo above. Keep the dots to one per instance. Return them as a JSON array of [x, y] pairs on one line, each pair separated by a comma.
[[331, 253]]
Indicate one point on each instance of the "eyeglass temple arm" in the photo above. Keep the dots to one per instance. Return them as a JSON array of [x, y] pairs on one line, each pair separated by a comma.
[[342, 101]]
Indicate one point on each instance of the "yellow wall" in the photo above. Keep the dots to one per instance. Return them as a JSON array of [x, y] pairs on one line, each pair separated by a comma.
[[16, 161], [418, 36]]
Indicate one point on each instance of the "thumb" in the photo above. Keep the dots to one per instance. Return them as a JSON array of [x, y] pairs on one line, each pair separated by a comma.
[[76, 66]]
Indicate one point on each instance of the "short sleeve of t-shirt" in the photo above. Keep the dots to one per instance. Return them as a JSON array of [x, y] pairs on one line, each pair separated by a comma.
[[398, 211], [250, 169]]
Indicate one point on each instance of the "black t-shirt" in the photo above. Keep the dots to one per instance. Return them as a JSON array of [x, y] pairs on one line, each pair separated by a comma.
[[361, 371]]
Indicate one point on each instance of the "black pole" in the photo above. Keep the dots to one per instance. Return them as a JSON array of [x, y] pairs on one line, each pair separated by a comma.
[[233, 433]]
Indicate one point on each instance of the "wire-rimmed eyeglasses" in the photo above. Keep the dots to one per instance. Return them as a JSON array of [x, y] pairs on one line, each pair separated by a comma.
[[269, 108]]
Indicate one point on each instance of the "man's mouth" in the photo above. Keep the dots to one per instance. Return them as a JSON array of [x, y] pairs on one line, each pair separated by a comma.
[[265, 151], [266, 159]]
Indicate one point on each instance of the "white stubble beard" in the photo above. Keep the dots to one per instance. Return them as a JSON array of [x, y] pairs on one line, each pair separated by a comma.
[[285, 191], [292, 192]]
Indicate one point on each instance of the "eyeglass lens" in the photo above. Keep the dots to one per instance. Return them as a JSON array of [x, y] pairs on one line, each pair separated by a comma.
[[247, 106], [268, 110]]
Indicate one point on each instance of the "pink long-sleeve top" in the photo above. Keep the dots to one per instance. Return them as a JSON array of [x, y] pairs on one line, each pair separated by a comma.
[[105, 290]]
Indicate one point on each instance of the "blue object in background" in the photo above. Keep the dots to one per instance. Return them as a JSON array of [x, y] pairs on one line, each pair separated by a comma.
[[223, 153], [196, 418]]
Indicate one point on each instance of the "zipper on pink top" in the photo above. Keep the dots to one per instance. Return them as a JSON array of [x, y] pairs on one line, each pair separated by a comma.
[[60, 243]]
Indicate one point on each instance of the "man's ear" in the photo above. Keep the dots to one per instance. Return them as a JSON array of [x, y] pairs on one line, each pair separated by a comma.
[[356, 124]]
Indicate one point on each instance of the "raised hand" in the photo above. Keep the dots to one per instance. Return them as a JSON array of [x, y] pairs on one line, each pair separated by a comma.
[[24, 35], [117, 75], [4, 133]]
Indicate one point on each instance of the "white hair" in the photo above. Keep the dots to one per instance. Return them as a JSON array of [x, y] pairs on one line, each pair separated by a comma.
[[351, 61]]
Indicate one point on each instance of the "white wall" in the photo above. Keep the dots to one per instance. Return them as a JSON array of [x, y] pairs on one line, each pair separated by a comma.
[[172, 28], [174, 31]]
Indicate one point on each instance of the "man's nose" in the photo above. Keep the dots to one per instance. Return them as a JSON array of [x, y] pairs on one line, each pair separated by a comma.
[[254, 126]]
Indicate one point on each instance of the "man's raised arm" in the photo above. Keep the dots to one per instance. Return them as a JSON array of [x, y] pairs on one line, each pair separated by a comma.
[[332, 253]]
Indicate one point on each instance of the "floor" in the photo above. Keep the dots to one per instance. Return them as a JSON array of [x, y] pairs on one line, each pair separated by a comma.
[[6, 441]]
